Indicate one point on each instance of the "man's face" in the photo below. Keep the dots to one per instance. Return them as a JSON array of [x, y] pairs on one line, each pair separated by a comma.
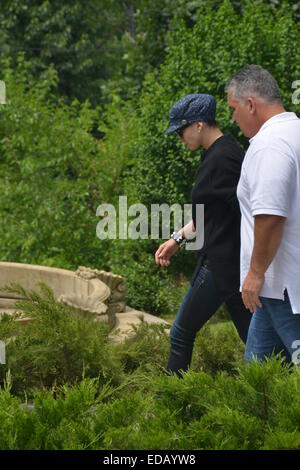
[[242, 114]]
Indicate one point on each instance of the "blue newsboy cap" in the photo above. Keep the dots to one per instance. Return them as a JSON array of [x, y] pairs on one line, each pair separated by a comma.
[[192, 108]]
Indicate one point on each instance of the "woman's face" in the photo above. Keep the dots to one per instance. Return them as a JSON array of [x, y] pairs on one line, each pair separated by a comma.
[[192, 135]]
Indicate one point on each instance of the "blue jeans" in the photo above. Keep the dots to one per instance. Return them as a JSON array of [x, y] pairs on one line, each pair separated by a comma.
[[199, 304], [273, 329]]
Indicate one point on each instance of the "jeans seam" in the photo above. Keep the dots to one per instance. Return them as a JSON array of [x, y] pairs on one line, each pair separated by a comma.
[[204, 276]]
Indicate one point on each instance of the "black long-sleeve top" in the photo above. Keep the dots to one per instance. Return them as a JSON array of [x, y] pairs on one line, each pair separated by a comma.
[[215, 186]]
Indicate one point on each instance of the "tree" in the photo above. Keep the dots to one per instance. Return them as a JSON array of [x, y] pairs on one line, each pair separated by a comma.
[[202, 59], [81, 40], [53, 175]]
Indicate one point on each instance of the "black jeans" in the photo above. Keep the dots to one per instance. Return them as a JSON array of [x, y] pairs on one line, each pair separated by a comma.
[[199, 304]]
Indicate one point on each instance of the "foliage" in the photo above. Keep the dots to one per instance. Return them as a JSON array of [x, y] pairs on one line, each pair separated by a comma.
[[219, 348], [149, 352], [202, 59], [52, 175], [58, 346], [149, 287], [144, 45], [196, 412], [81, 40], [83, 393], [55, 170], [99, 47], [159, 169]]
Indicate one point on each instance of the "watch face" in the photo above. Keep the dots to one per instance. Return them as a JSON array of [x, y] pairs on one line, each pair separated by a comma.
[[177, 238]]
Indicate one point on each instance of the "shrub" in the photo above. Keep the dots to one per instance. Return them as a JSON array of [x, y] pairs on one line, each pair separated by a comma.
[[58, 346], [148, 352], [52, 175], [200, 58], [149, 287], [218, 348], [257, 408]]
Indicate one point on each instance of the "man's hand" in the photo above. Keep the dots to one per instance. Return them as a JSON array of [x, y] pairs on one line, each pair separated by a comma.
[[250, 290], [268, 230], [165, 251]]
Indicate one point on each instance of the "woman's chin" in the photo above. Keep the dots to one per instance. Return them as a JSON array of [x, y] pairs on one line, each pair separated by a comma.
[[194, 147]]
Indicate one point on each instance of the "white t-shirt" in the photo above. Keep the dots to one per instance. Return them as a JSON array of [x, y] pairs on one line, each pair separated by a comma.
[[270, 184]]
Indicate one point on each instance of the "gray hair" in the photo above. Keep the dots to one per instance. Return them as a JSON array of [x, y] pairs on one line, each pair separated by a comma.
[[254, 80]]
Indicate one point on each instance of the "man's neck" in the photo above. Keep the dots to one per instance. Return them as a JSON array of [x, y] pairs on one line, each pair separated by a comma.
[[267, 112]]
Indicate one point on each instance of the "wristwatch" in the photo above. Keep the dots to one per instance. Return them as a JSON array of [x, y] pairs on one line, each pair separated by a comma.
[[179, 239]]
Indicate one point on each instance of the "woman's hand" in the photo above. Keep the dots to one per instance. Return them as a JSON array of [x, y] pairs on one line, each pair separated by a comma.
[[165, 251]]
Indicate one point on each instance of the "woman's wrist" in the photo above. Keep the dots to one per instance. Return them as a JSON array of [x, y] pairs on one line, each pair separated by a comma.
[[178, 238], [181, 232]]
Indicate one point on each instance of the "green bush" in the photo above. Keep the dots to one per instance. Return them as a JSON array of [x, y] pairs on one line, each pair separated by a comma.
[[149, 352], [87, 394], [149, 286], [52, 175], [202, 59], [196, 412], [218, 348], [58, 346]]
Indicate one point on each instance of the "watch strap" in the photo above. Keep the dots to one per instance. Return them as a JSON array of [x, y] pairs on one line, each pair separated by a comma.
[[179, 239]]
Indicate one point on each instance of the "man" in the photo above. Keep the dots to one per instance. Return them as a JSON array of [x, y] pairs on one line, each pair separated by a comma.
[[269, 197]]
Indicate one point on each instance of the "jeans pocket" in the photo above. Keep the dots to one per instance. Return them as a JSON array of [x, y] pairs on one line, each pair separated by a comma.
[[201, 277]]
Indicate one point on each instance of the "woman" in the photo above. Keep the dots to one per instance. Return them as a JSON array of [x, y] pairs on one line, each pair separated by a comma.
[[216, 278]]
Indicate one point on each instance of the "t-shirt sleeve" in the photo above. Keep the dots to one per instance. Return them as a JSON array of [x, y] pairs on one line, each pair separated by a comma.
[[271, 178]]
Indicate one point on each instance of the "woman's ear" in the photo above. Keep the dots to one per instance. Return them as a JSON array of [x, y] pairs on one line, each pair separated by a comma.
[[199, 126]]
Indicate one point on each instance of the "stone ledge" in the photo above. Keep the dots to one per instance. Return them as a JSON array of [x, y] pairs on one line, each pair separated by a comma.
[[93, 292]]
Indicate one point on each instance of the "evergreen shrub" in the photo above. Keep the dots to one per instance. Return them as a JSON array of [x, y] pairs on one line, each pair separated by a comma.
[[58, 346], [196, 412], [65, 387]]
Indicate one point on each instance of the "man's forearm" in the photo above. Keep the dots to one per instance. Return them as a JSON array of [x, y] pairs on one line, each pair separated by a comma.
[[268, 230]]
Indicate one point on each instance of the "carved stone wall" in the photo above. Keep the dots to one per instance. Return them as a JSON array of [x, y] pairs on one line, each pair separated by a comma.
[[116, 284]]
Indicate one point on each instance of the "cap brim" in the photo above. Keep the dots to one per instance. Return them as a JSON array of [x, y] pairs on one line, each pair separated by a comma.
[[172, 129]]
